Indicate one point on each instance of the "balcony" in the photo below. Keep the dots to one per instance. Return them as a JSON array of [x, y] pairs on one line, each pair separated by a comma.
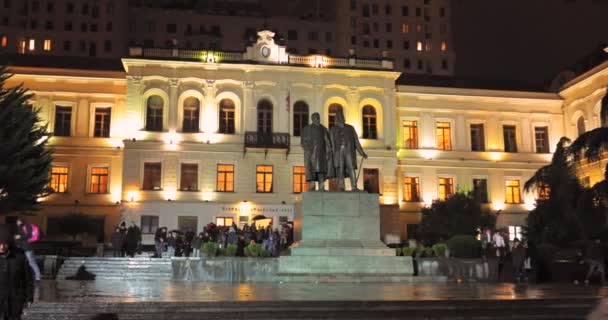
[[266, 140]]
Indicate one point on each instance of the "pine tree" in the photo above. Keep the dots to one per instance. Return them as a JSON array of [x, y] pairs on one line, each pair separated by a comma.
[[24, 159]]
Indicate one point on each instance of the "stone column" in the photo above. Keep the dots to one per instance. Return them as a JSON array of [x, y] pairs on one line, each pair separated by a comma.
[[388, 118], [210, 114], [352, 112], [134, 110], [460, 134], [526, 136], [248, 118], [284, 112], [173, 107], [80, 116]]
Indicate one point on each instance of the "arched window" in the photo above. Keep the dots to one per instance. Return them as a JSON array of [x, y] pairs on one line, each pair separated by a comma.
[[191, 115], [264, 116], [604, 112], [154, 113], [333, 109], [580, 125], [300, 117], [227, 111], [370, 130]]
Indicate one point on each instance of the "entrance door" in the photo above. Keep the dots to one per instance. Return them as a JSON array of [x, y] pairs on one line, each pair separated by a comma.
[[187, 222]]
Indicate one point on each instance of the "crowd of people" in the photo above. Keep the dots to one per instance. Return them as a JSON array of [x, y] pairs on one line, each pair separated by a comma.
[[126, 241], [188, 244]]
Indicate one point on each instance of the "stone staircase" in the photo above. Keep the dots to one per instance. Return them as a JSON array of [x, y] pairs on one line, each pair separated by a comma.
[[552, 309], [106, 268]]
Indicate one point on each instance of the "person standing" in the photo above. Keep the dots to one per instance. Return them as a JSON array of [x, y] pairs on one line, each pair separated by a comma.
[[594, 256], [317, 152], [345, 144], [16, 283], [118, 240], [23, 237], [518, 257], [133, 237], [160, 236]]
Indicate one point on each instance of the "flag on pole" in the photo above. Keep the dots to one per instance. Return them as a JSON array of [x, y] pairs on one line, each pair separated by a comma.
[[288, 101]]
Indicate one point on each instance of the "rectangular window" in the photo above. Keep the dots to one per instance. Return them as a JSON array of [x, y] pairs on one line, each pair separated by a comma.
[[31, 45], [107, 45], [189, 177], [225, 178], [405, 28], [405, 11], [541, 136], [47, 45], [444, 136], [102, 122], [263, 179], [63, 121], [418, 45], [68, 26], [99, 180], [371, 180], [292, 35], [59, 178], [407, 63], [477, 137], [313, 36], [171, 28], [299, 179], [149, 224], [543, 190], [515, 232], [446, 188], [22, 46], [4, 42], [444, 46], [509, 138], [513, 194], [480, 190], [152, 174], [411, 189], [224, 221], [410, 134]]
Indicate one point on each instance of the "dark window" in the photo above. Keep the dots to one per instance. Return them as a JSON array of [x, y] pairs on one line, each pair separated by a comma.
[[374, 8], [580, 125], [442, 12], [480, 190], [5, 21], [366, 43], [366, 29], [444, 64], [48, 25], [109, 26], [388, 9], [148, 43], [263, 179], [420, 65], [149, 224], [405, 11], [107, 45], [69, 7], [152, 174], [389, 27], [109, 8], [189, 177], [7, 4], [191, 115], [50, 6], [264, 116], [171, 28], [154, 114], [389, 44], [541, 136], [216, 30], [85, 9], [95, 12], [67, 45], [292, 35], [63, 121], [227, 111], [225, 178], [353, 40], [84, 27], [509, 138], [353, 5], [406, 44], [68, 26], [313, 36], [82, 45], [33, 24], [376, 43], [102, 122], [35, 6], [300, 117], [407, 63], [366, 10], [93, 27], [477, 137], [370, 130], [371, 180], [328, 37], [333, 109], [418, 12], [92, 49]]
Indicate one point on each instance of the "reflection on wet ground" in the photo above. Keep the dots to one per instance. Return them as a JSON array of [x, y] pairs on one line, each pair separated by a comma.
[[178, 291]]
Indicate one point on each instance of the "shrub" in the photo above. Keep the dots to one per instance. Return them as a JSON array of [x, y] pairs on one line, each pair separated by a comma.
[[398, 252], [231, 250], [464, 246], [254, 250], [210, 249], [408, 251], [439, 249], [429, 252], [419, 250]]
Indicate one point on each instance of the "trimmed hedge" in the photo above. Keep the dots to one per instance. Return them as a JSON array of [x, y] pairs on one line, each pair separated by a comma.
[[464, 246]]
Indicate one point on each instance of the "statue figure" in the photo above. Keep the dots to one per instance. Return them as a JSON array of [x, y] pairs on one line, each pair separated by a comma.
[[317, 152], [345, 143]]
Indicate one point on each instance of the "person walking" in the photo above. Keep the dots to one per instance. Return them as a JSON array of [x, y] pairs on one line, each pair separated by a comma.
[[16, 283], [594, 256], [518, 256], [160, 237], [118, 240], [197, 242], [24, 238]]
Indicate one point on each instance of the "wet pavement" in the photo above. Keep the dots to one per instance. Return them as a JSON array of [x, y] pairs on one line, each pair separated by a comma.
[[106, 291]]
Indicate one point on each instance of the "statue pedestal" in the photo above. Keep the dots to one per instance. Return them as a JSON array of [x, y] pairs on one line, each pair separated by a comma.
[[341, 242]]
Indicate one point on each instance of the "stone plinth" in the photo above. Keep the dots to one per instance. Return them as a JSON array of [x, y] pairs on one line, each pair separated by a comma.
[[341, 240]]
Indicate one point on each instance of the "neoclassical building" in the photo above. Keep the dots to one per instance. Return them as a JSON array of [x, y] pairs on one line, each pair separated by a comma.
[[182, 138]]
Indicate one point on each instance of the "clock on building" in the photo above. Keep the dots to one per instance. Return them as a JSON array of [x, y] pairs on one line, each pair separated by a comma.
[[265, 51]]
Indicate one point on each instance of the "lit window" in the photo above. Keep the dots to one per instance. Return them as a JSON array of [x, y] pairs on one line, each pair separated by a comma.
[[102, 122], [419, 45], [22, 46], [446, 188], [188, 177], [444, 136], [544, 191], [418, 28], [59, 178], [512, 191], [225, 178], [99, 180], [263, 179], [370, 130], [47, 45], [152, 174], [515, 232], [299, 179], [586, 182], [4, 42], [32, 45], [410, 134], [224, 221], [411, 189], [444, 46], [405, 28]]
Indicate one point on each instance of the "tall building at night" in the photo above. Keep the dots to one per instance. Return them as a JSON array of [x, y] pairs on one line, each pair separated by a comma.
[[416, 34]]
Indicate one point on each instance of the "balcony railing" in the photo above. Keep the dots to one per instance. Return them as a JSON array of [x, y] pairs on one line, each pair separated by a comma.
[[271, 140]]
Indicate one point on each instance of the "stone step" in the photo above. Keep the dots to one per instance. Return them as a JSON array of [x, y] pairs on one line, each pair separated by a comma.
[[112, 268], [564, 309]]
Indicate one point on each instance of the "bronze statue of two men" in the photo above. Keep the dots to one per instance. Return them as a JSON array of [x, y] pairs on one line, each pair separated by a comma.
[[330, 154]]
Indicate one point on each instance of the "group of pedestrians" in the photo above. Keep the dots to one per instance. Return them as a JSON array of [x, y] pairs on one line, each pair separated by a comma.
[[126, 241], [516, 253]]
